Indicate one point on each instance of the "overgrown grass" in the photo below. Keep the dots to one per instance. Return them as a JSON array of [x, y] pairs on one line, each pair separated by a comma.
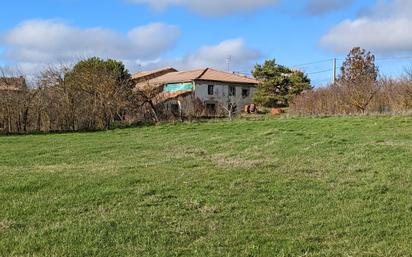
[[273, 187]]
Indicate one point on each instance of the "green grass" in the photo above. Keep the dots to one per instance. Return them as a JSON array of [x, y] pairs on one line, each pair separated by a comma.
[[270, 187]]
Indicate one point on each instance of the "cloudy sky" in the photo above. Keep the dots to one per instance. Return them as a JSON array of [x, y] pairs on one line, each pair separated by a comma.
[[190, 34]]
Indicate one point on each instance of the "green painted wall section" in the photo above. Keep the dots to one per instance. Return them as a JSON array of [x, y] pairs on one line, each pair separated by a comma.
[[178, 87]]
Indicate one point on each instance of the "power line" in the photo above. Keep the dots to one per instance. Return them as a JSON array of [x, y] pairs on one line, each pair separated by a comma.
[[333, 61], [322, 71], [382, 61], [322, 80], [316, 72], [311, 63], [394, 58], [342, 59]]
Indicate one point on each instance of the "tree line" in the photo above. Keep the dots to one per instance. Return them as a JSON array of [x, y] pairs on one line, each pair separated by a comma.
[[94, 94], [97, 94]]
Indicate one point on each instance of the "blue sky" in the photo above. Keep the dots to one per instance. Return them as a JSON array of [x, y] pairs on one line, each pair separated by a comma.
[[190, 34]]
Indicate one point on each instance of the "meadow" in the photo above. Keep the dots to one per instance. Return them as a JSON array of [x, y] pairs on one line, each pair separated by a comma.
[[335, 186]]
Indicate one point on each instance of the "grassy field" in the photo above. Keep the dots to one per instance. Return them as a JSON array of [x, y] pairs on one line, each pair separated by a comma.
[[271, 187]]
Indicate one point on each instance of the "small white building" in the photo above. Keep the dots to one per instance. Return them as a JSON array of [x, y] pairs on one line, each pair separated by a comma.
[[205, 92]]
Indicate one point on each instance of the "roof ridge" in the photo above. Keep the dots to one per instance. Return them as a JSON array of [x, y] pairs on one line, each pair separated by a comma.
[[141, 74], [201, 74], [233, 73]]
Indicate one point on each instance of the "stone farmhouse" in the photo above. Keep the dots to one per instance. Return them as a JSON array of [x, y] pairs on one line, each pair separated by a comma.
[[205, 92]]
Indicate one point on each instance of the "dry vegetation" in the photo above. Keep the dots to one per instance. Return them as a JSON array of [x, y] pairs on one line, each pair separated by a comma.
[[92, 95], [358, 90], [99, 94], [391, 97]]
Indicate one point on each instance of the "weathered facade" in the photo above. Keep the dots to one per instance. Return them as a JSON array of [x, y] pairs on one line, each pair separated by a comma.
[[12, 84], [204, 92], [223, 94]]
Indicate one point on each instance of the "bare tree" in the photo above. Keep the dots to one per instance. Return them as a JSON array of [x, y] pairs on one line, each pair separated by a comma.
[[145, 95], [358, 79], [230, 109]]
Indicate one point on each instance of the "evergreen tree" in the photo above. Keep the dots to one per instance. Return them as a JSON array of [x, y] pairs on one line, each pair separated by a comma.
[[278, 84]]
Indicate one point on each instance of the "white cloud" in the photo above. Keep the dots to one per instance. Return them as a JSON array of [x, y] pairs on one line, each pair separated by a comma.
[[385, 28], [319, 7], [215, 56], [211, 7], [35, 44], [38, 42]]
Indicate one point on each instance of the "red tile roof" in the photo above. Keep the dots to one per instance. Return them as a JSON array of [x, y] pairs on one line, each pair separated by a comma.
[[215, 75], [12, 84], [207, 74], [147, 75]]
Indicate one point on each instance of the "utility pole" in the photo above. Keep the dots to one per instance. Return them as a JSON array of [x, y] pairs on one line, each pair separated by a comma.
[[228, 61], [334, 71]]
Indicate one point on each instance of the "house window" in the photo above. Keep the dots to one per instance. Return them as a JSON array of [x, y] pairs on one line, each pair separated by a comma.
[[211, 89], [232, 91], [211, 109], [245, 92], [174, 108]]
